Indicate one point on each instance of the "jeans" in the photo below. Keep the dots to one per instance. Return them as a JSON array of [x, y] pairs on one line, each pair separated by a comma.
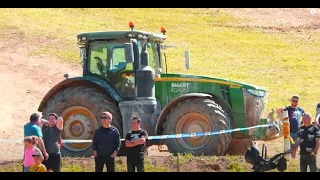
[[132, 164], [54, 162], [26, 169], [102, 160], [294, 137], [308, 160]]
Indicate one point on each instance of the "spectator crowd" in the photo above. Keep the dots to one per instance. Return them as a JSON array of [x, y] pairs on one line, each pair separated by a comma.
[[43, 141]]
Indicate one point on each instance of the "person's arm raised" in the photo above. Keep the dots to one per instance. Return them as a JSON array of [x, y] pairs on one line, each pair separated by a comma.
[[278, 111], [60, 123]]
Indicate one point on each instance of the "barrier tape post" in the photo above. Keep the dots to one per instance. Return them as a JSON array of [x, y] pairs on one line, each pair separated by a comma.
[[286, 132], [159, 137]]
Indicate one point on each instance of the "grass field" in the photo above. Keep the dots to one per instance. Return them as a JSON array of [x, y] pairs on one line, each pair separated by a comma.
[[285, 63], [187, 163]]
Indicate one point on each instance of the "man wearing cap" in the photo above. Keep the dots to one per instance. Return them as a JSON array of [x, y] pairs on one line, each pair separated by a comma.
[[105, 144], [32, 129], [295, 114], [308, 141]]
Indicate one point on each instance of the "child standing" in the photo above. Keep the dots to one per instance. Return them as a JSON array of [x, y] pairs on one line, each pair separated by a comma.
[[30, 149], [38, 166]]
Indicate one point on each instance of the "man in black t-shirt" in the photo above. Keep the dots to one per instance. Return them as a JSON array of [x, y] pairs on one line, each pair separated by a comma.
[[308, 140], [294, 113], [51, 131], [136, 146]]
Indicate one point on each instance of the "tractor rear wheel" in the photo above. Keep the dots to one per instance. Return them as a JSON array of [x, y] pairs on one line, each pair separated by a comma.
[[197, 115], [81, 108]]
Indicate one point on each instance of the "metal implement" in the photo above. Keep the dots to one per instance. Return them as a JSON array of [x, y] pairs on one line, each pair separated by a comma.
[[262, 164]]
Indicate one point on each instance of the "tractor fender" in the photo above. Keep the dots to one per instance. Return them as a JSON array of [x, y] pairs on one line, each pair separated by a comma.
[[89, 81], [166, 110]]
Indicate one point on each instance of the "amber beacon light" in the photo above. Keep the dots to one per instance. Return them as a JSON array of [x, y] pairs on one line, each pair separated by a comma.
[[163, 30], [131, 25]]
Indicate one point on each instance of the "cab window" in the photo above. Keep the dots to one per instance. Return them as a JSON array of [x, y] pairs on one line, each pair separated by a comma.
[[98, 58]]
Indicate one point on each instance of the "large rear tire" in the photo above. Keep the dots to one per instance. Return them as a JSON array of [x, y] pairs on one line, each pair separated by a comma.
[[197, 115], [81, 108]]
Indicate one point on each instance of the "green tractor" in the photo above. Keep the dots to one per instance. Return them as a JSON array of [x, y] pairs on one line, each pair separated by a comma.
[[122, 74]]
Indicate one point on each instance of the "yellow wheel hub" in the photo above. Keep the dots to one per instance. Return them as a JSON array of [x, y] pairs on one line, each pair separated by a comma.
[[80, 124], [192, 123]]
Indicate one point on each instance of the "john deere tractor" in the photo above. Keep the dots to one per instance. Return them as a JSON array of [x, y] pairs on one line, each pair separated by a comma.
[[122, 73]]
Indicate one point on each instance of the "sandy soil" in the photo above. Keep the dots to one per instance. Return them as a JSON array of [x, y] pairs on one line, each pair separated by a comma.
[[279, 19]]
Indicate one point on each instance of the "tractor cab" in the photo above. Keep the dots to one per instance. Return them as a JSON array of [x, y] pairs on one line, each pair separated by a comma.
[[115, 56]]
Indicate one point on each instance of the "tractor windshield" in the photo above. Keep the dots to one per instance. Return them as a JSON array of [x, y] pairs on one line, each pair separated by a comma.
[[106, 58], [153, 55]]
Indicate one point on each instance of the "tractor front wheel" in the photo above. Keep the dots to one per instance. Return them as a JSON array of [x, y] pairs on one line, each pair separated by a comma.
[[197, 115], [81, 108]]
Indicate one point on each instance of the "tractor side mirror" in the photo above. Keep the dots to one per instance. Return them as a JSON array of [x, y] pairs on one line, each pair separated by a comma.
[[187, 57], [128, 51]]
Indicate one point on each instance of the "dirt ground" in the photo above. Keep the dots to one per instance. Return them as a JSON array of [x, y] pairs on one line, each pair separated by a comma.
[[279, 19], [25, 80], [23, 83]]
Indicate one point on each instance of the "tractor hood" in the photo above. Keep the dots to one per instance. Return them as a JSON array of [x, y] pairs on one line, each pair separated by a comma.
[[189, 77]]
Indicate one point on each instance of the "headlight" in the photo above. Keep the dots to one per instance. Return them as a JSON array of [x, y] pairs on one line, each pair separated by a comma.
[[259, 93]]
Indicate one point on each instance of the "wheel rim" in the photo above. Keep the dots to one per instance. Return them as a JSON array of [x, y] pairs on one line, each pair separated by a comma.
[[192, 123], [79, 123]]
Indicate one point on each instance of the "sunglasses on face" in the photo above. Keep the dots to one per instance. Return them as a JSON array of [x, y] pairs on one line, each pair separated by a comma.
[[295, 101], [105, 117]]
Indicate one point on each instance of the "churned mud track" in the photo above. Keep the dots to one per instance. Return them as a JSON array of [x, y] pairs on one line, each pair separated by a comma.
[[23, 82]]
